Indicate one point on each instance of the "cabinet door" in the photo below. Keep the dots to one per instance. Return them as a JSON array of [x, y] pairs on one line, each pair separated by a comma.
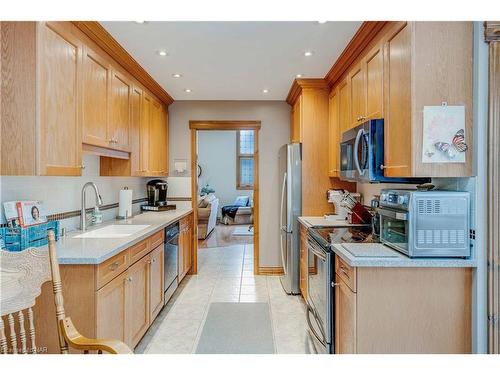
[[397, 126], [156, 283], [295, 133], [155, 141], [374, 66], [145, 133], [344, 107], [333, 135], [119, 121], [137, 301], [95, 96], [135, 131], [59, 138], [163, 141], [111, 309], [358, 94], [345, 318]]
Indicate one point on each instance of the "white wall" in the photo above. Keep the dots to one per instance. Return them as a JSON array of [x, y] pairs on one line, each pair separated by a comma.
[[62, 194], [275, 132], [217, 158]]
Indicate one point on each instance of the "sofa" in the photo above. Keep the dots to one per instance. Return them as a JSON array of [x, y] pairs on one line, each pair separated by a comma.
[[244, 212], [207, 215]]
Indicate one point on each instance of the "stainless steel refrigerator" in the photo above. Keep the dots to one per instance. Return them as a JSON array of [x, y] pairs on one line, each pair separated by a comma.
[[290, 167]]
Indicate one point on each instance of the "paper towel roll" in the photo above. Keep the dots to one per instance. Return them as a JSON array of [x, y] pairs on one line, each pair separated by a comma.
[[125, 203]]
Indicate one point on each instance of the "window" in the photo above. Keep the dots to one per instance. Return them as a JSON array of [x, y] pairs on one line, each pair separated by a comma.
[[245, 149]]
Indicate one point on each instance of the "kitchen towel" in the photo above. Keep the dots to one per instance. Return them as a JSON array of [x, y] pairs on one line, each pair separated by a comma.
[[125, 203]]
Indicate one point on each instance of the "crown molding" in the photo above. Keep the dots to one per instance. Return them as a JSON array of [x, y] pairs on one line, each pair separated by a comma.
[[99, 35], [365, 34], [305, 83]]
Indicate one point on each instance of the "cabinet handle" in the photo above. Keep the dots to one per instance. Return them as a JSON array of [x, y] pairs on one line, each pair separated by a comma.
[[113, 266], [82, 166], [335, 284], [344, 271], [392, 166], [129, 279], [154, 260]]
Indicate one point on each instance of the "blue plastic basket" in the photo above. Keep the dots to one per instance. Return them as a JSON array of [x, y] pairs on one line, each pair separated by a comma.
[[17, 239]]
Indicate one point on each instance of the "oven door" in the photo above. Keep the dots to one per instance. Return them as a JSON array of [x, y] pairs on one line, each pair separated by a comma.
[[320, 298], [395, 229]]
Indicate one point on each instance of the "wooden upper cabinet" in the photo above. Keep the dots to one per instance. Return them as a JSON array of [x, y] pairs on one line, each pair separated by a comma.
[[374, 66], [295, 125], [334, 135], [357, 83], [60, 68], [344, 106], [135, 131], [147, 103], [95, 95], [158, 138], [119, 124], [398, 129]]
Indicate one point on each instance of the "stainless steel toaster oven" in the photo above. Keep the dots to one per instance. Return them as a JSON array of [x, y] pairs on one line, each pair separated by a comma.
[[425, 223]]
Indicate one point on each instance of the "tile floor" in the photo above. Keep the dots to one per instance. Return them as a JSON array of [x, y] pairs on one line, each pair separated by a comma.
[[225, 275]]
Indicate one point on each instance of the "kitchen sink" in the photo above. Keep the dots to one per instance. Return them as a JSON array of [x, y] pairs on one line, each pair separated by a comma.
[[113, 231]]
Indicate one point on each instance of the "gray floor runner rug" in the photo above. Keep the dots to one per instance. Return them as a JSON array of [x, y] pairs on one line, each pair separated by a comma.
[[237, 328]]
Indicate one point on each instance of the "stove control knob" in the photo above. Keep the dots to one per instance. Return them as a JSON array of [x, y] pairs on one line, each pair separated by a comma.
[[401, 200]]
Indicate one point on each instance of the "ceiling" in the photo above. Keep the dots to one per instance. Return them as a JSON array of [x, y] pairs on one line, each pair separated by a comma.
[[233, 60]]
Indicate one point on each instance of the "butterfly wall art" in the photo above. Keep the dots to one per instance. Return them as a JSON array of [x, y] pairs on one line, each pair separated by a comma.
[[444, 134]]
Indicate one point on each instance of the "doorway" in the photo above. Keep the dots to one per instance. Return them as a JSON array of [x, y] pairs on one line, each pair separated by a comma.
[[242, 160]]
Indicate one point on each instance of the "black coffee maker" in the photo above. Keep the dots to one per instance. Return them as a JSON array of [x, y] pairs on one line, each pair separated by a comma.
[[157, 193]]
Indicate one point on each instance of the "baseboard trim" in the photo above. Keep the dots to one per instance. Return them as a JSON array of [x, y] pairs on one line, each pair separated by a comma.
[[271, 271]]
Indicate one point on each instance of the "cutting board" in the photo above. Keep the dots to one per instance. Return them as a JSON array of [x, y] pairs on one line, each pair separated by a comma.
[[370, 250]]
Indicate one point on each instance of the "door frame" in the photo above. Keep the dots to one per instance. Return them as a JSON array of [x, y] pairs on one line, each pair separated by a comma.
[[195, 126]]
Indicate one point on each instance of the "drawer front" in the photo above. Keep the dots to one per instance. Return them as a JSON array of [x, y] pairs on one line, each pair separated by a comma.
[[139, 250], [156, 240], [111, 268], [346, 273]]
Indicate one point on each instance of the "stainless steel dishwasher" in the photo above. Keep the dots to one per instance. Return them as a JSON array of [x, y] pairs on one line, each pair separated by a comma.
[[171, 250]]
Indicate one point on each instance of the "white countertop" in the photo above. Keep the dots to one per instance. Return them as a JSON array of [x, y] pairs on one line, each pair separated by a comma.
[[384, 256], [72, 250]]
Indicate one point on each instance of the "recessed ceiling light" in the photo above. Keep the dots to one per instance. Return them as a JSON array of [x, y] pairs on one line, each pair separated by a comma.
[[177, 75], [308, 53], [322, 21], [265, 91], [139, 21], [187, 90], [298, 76], [162, 52]]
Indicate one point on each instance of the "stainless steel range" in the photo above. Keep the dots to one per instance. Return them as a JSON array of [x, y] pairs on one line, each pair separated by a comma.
[[321, 287]]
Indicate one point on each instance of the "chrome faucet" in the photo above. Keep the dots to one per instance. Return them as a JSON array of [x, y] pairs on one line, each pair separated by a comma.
[[98, 202]]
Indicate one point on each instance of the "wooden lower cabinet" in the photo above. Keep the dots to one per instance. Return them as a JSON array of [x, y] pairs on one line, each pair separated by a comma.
[[402, 310], [303, 260], [137, 301], [156, 282], [117, 299], [111, 309]]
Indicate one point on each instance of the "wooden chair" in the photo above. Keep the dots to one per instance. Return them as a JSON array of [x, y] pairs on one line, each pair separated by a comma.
[[21, 277]]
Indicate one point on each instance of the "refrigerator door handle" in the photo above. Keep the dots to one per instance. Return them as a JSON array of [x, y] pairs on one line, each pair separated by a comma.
[[283, 249], [282, 199]]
